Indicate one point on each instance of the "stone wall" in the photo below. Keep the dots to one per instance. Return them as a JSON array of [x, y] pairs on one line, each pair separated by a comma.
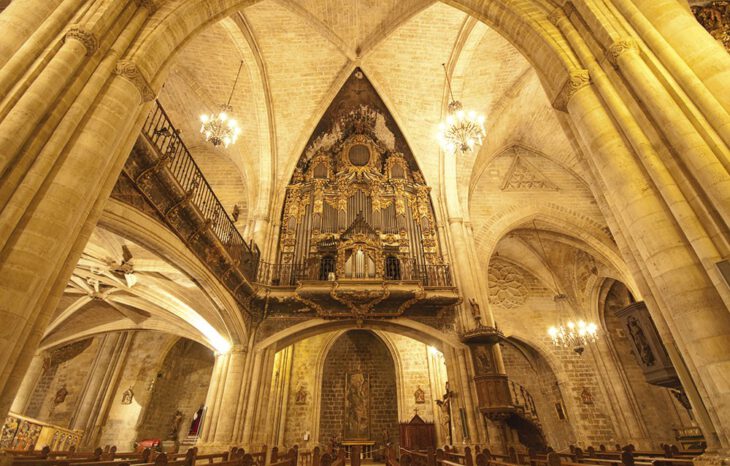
[[181, 384], [359, 350], [666, 413], [300, 414], [68, 371], [139, 376], [534, 374], [415, 374]]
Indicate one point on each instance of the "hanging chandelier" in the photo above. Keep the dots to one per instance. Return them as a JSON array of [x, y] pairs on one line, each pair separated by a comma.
[[570, 334], [220, 128], [461, 130], [567, 334]]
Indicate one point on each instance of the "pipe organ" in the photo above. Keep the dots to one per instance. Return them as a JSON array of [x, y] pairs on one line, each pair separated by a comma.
[[358, 210]]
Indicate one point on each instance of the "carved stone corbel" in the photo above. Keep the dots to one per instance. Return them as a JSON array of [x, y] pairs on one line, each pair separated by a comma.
[[577, 80], [128, 70]]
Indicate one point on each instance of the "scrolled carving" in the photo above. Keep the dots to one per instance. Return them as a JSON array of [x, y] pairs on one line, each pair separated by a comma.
[[87, 39], [129, 71], [557, 15], [577, 80], [620, 47], [506, 285], [715, 18], [149, 4]]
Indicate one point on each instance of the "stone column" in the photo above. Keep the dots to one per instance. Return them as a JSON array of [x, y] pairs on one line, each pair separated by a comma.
[[224, 399], [707, 53], [19, 20], [14, 66], [62, 196], [230, 404], [689, 145], [692, 306], [35, 371], [101, 385]]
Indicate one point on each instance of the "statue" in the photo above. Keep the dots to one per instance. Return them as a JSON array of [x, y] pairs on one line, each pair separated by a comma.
[[127, 396], [475, 309], [419, 395], [195, 424], [357, 401], [586, 396], [482, 359], [445, 405], [60, 395], [175, 425], [640, 342]]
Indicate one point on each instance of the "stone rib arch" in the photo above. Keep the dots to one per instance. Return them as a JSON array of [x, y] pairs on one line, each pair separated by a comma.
[[576, 226], [138, 227]]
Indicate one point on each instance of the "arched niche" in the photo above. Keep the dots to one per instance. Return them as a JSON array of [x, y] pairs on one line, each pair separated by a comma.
[[359, 395], [178, 392], [536, 386], [659, 410]]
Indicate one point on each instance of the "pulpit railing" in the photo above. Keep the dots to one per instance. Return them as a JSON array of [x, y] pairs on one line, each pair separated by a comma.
[[159, 131], [523, 400], [276, 274]]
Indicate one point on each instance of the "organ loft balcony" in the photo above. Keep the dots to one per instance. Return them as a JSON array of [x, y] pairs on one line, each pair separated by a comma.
[[358, 235], [355, 277]]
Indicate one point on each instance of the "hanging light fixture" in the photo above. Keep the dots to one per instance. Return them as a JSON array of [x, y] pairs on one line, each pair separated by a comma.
[[567, 334], [221, 128], [461, 130]]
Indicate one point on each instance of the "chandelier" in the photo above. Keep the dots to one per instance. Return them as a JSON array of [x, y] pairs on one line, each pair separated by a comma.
[[461, 130], [567, 334], [570, 334], [220, 128]]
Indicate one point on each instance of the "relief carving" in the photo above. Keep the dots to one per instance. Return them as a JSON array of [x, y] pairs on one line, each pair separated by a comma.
[[129, 71], [523, 176], [506, 285], [87, 39], [577, 80]]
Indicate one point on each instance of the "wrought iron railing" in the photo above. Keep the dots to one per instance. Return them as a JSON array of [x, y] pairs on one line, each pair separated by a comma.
[[291, 274], [160, 133]]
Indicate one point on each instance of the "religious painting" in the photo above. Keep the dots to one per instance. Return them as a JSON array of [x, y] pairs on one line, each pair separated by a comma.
[[301, 396], [127, 396], [10, 428], [419, 395], [357, 406]]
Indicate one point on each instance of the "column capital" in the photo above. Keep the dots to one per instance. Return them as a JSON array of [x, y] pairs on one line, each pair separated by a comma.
[[620, 47], [128, 70], [87, 39], [578, 78], [557, 15], [149, 4]]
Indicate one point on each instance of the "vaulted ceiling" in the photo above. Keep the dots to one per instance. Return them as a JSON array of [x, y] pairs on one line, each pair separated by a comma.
[[297, 55]]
